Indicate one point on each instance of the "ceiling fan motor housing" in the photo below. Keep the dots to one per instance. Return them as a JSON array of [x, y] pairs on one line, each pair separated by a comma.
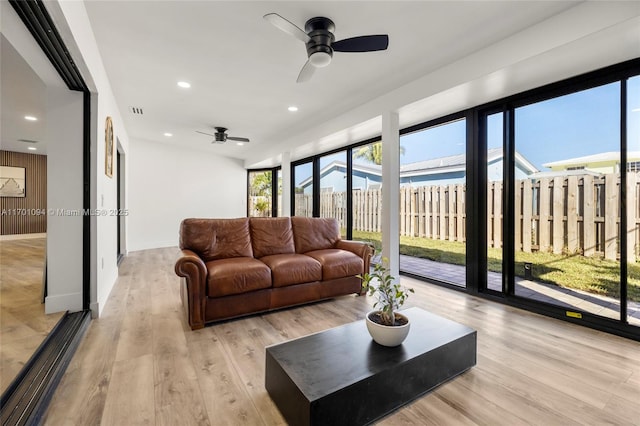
[[220, 135], [320, 31]]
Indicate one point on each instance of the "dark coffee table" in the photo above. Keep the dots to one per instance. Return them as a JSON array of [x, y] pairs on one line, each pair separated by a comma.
[[341, 377]]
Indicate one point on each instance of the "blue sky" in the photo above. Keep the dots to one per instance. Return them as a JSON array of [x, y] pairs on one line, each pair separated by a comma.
[[574, 125]]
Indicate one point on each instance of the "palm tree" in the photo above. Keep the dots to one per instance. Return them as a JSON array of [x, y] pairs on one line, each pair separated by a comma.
[[373, 152], [261, 184]]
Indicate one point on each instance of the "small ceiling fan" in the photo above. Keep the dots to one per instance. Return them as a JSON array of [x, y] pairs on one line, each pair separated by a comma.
[[320, 42], [221, 136]]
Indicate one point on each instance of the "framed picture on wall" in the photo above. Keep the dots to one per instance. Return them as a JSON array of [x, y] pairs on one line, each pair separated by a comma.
[[12, 182], [109, 148]]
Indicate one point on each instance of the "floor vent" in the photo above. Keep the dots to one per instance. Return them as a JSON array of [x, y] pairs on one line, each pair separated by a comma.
[[136, 110], [26, 399]]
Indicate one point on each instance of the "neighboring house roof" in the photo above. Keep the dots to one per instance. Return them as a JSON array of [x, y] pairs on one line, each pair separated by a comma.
[[449, 164], [563, 173], [455, 163], [370, 169], [602, 157]]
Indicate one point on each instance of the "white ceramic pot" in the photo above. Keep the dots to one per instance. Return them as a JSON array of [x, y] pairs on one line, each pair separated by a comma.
[[386, 335]]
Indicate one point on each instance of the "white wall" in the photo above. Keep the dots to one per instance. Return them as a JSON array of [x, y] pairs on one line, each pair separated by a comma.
[[168, 183], [63, 132], [64, 200], [74, 26]]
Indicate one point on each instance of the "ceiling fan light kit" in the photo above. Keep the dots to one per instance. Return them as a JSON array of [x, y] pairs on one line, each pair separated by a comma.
[[320, 41]]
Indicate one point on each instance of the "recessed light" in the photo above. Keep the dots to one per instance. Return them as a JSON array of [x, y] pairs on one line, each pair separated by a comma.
[[184, 84], [240, 143], [30, 118], [167, 134], [292, 108], [32, 148]]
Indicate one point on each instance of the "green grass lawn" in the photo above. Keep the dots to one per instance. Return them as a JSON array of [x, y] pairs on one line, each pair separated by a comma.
[[591, 274]]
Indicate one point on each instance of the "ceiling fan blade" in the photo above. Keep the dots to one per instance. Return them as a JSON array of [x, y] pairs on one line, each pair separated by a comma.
[[233, 138], [306, 72], [368, 43], [287, 26], [208, 134]]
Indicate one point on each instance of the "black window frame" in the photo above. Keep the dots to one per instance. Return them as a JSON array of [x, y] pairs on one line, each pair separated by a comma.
[[315, 160], [274, 187], [476, 193]]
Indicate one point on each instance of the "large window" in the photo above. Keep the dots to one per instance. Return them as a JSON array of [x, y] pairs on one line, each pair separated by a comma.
[[495, 181], [535, 218], [432, 202], [303, 189], [633, 200], [263, 193], [366, 176], [567, 195], [345, 185], [333, 188]]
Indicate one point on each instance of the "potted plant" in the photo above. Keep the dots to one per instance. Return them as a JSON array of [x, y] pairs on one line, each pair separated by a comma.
[[386, 326]]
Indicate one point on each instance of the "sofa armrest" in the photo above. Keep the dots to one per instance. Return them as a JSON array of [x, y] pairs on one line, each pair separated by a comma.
[[190, 266], [359, 248]]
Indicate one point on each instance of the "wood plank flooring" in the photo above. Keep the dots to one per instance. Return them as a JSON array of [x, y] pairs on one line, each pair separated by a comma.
[[141, 364], [23, 323]]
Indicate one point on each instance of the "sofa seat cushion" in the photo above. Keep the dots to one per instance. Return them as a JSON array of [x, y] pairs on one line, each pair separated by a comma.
[[337, 263], [236, 275], [289, 269]]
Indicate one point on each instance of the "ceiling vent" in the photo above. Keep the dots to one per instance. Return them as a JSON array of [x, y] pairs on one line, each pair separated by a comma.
[[27, 141], [136, 110]]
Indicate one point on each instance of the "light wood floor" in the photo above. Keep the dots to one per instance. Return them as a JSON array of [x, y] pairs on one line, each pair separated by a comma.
[[23, 323], [140, 363]]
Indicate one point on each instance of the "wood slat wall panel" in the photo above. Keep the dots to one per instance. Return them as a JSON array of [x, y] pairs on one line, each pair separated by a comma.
[[25, 215]]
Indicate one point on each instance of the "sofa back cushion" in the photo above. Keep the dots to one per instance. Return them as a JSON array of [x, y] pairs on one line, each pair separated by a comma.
[[213, 239], [312, 233], [271, 235]]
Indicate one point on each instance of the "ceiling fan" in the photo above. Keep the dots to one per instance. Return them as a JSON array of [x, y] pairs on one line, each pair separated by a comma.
[[221, 136], [320, 42]]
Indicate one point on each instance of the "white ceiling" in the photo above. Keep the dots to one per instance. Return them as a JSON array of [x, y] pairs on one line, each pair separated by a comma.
[[243, 70], [23, 93], [442, 57]]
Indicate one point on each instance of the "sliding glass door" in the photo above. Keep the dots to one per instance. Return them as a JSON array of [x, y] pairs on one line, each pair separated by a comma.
[[632, 112], [333, 188], [366, 175], [567, 199], [433, 176]]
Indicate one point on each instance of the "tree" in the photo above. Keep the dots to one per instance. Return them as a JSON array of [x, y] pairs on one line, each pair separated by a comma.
[[373, 152], [261, 183]]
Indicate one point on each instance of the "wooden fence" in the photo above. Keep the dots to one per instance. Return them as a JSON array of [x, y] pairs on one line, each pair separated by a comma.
[[574, 214]]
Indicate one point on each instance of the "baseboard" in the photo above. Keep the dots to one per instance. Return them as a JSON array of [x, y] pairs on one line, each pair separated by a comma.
[[152, 245], [22, 236], [64, 302], [95, 310]]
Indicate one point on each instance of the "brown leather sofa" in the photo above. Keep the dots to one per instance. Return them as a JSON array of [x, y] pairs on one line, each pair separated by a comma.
[[235, 267]]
